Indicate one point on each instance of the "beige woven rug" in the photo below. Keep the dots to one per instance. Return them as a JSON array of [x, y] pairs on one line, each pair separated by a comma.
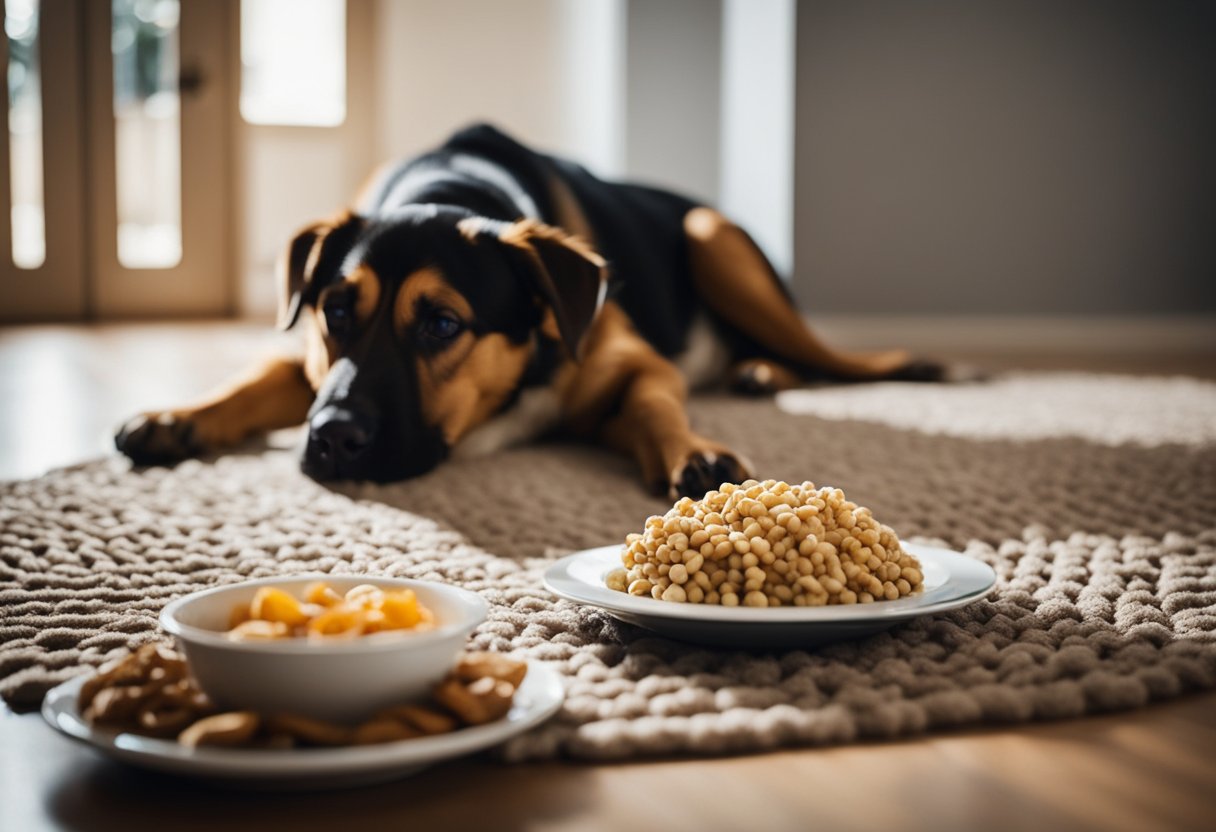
[[1101, 527]]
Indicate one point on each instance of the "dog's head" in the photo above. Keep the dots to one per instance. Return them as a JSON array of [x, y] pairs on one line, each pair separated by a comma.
[[422, 325]]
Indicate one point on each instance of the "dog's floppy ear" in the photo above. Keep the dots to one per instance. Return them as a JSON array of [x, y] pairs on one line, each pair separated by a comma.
[[562, 270], [311, 261]]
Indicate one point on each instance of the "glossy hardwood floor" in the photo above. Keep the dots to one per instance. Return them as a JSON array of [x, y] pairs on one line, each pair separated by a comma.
[[62, 389]]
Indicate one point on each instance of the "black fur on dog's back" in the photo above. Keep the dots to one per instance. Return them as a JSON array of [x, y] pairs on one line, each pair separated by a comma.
[[638, 230]]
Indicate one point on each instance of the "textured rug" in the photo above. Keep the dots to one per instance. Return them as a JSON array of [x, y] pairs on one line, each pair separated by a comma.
[[1101, 527]]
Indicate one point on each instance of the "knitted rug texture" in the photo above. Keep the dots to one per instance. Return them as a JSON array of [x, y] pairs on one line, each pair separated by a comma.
[[1101, 528]]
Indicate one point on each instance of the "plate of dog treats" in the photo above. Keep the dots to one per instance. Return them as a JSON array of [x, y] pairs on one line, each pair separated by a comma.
[[306, 683], [766, 565]]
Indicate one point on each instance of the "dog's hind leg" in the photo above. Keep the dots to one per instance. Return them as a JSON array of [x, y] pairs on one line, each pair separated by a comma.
[[762, 377], [274, 395], [736, 281]]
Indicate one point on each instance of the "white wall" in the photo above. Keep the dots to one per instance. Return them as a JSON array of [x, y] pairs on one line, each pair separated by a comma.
[[287, 177], [593, 91], [756, 178], [543, 70]]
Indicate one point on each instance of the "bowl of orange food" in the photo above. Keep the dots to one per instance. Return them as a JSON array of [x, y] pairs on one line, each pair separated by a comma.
[[324, 646]]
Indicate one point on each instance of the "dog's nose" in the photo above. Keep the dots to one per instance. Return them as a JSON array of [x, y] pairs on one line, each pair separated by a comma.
[[337, 435]]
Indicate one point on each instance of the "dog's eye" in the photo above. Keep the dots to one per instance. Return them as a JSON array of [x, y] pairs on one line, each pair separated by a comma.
[[442, 326], [338, 318]]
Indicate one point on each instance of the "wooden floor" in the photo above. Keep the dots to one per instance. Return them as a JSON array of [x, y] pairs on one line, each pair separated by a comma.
[[62, 389]]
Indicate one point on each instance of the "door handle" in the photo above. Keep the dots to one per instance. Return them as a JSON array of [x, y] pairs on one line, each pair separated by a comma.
[[190, 80]]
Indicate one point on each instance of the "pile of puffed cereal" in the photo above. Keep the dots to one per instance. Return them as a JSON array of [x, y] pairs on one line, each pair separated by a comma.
[[767, 544]]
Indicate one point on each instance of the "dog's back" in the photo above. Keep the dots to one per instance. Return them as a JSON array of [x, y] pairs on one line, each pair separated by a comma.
[[637, 229]]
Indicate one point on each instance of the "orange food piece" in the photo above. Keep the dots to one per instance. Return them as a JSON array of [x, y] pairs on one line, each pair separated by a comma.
[[341, 621], [400, 609], [272, 604], [319, 592]]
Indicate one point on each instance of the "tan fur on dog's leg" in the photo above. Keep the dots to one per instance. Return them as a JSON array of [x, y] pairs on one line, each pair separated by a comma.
[[634, 399], [621, 433], [274, 395], [674, 461], [737, 283]]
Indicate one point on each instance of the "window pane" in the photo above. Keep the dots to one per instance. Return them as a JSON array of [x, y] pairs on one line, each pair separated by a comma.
[[293, 62], [147, 140], [25, 132]]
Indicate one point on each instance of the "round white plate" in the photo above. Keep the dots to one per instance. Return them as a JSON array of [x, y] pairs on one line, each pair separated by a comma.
[[951, 580], [537, 699]]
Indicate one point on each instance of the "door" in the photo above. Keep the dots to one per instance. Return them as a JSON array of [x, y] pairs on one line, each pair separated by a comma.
[[135, 101]]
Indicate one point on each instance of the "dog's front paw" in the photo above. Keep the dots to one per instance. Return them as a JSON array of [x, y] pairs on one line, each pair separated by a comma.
[[158, 439], [705, 469]]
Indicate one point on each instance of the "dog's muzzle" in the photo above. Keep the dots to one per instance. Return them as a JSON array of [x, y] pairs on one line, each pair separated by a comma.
[[338, 439]]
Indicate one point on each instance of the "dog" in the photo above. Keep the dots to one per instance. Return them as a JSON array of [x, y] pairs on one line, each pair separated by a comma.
[[484, 293]]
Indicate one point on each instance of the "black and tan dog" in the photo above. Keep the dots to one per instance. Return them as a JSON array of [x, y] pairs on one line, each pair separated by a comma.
[[483, 293]]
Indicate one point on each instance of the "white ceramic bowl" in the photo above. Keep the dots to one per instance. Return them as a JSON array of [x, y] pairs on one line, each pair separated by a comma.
[[343, 679]]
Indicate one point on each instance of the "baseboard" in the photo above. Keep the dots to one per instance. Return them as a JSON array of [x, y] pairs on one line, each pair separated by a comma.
[[1023, 335], [1009, 335]]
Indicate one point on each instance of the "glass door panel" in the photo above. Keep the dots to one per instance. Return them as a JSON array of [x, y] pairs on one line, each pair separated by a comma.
[[42, 190], [147, 132], [25, 133], [159, 103]]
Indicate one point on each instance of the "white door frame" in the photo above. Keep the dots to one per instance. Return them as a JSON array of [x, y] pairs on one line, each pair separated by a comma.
[[56, 290]]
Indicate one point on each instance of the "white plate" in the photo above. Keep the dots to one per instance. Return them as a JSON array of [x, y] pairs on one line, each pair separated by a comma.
[[951, 580], [537, 699]]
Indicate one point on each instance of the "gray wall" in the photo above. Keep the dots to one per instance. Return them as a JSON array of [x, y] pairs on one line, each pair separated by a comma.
[[672, 93], [1033, 157]]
